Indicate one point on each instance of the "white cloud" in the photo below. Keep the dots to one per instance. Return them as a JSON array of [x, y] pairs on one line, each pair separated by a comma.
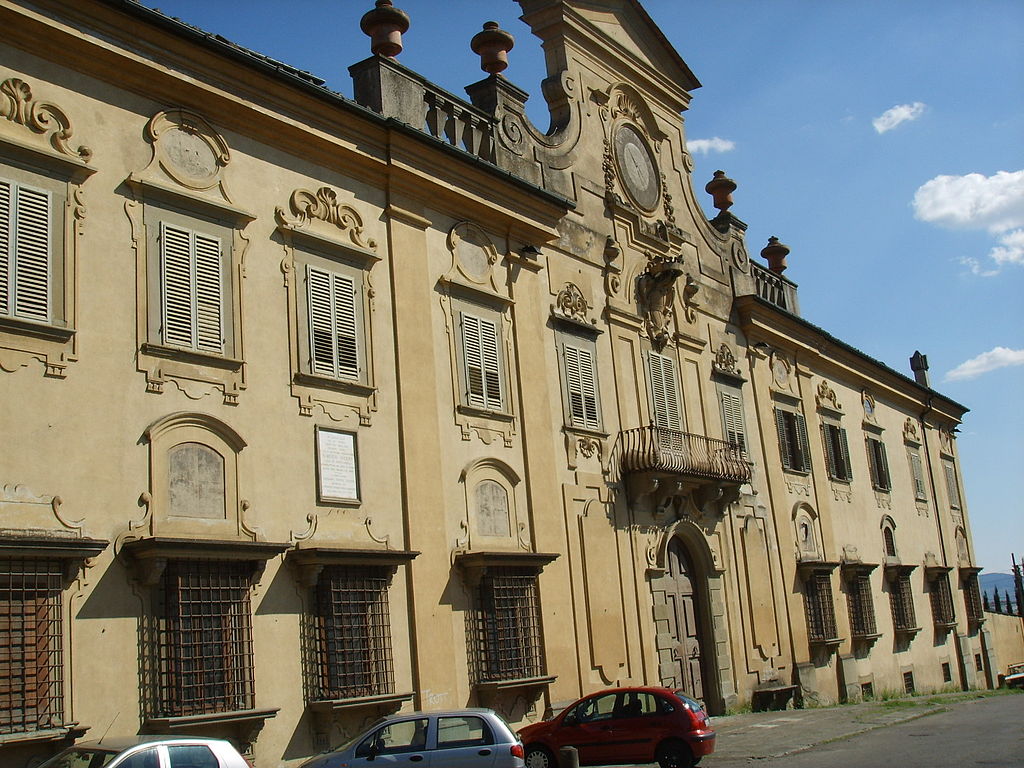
[[1011, 248], [901, 113], [999, 357], [706, 146], [992, 203]]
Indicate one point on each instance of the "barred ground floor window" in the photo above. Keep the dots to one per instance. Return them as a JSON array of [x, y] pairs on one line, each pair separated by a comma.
[[508, 631], [819, 608], [861, 604], [31, 645], [203, 638], [901, 601], [351, 633]]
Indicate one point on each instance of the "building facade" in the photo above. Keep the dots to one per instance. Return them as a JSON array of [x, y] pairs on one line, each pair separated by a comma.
[[316, 408]]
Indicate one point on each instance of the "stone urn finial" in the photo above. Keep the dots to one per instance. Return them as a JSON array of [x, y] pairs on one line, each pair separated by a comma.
[[385, 25], [721, 188], [492, 45], [775, 252]]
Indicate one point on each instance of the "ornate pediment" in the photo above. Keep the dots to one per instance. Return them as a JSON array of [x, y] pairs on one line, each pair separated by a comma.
[[20, 107], [826, 397], [324, 206]]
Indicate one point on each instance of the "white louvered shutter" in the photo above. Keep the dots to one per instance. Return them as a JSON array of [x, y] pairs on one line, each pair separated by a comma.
[[581, 386], [178, 288], [5, 246], [333, 331], [321, 325], [344, 289], [663, 391], [492, 370], [209, 294], [732, 416], [31, 253], [472, 359]]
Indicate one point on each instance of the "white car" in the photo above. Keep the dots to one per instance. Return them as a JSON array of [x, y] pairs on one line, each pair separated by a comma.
[[150, 752], [1014, 677], [455, 738]]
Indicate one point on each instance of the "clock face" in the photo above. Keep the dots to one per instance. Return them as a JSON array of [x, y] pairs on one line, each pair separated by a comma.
[[636, 166]]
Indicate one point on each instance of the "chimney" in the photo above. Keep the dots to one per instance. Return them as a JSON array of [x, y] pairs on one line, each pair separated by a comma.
[[919, 365]]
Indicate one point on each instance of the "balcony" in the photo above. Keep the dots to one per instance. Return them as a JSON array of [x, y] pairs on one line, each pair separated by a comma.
[[774, 288], [683, 455]]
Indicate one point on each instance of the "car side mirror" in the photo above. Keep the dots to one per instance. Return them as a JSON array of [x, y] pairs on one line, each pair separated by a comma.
[[570, 719]]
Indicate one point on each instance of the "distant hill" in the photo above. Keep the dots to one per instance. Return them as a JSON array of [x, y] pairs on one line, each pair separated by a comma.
[[991, 581]]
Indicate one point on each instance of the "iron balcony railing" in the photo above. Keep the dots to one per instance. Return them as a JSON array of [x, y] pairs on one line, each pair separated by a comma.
[[655, 449]]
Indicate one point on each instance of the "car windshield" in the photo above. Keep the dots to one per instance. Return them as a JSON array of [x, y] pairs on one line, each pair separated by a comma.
[[80, 757]]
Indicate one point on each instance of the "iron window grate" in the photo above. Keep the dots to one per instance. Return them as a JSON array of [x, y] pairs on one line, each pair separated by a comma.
[[972, 599], [352, 634], [901, 599], [204, 638], [942, 600], [861, 606], [31, 645], [821, 616], [509, 631]]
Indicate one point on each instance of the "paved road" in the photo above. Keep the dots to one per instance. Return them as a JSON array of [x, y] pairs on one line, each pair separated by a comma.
[[953, 734]]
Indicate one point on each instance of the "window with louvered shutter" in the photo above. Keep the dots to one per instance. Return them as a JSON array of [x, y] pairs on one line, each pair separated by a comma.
[[837, 452], [878, 464], [793, 445], [192, 289], [664, 395], [333, 324], [481, 361], [917, 472], [732, 418], [951, 485], [581, 387], [25, 252]]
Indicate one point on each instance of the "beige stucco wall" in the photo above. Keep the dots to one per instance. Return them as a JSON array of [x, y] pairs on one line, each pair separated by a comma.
[[82, 435]]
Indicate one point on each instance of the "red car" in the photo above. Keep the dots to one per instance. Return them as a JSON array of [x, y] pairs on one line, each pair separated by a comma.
[[623, 726]]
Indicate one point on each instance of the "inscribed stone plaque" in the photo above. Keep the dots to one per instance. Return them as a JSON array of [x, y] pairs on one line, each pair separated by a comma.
[[195, 481], [491, 509], [336, 465]]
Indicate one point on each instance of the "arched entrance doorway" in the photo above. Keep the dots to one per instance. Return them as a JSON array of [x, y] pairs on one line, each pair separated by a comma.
[[684, 600]]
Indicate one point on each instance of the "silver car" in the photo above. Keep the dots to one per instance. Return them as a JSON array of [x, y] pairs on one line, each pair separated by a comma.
[[455, 738], [149, 752]]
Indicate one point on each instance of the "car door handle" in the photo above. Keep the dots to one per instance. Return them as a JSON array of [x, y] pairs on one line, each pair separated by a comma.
[[484, 752], [415, 758]]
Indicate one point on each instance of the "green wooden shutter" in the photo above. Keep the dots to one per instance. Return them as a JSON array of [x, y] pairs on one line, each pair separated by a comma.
[[917, 470], [31, 253], [805, 447], [177, 289], [883, 466], [830, 449], [5, 246], [844, 448], [951, 485], [785, 449], [209, 294]]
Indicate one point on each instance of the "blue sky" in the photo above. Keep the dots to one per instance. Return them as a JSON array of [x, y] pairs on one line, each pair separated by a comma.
[[882, 141]]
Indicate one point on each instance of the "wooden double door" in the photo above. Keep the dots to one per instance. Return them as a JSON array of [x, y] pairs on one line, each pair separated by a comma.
[[685, 602]]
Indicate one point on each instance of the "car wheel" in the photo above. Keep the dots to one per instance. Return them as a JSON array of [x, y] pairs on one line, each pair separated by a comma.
[[674, 754], [539, 757]]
